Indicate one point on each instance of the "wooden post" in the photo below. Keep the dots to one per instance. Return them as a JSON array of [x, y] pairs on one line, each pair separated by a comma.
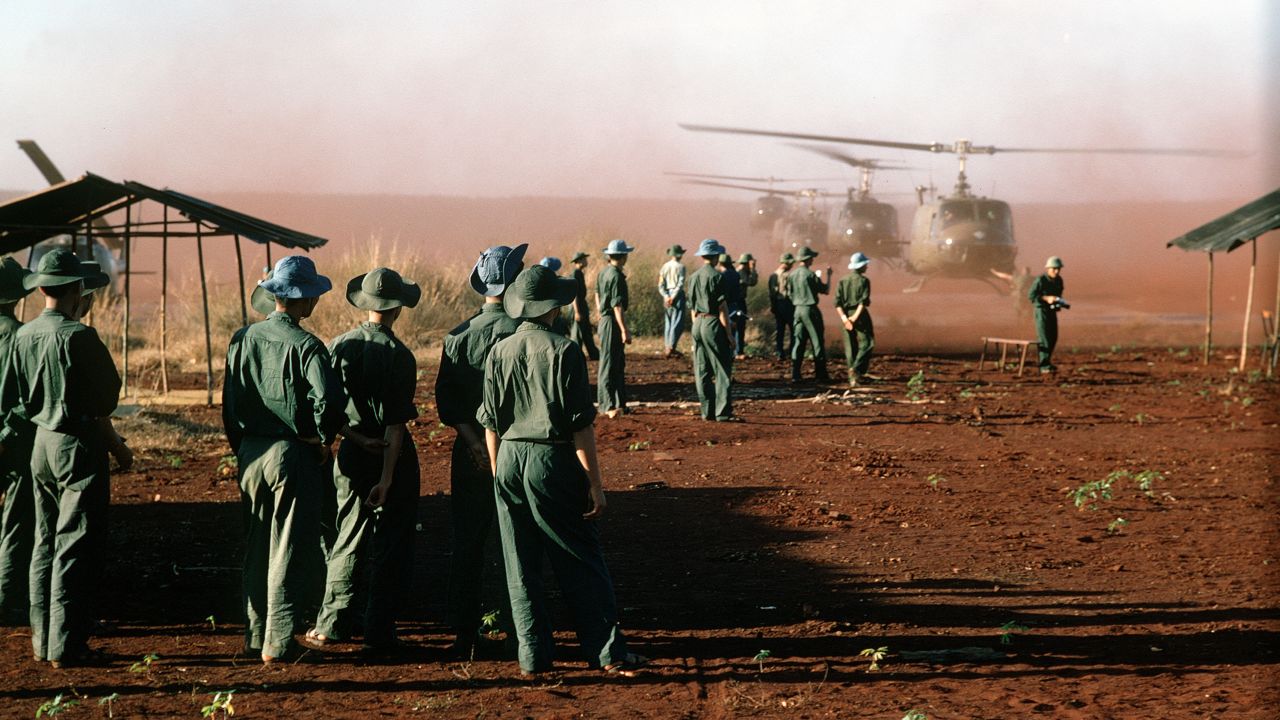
[[128, 273], [164, 310], [1248, 306], [244, 310], [1208, 315], [270, 264], [204, 299], [1275, 330]]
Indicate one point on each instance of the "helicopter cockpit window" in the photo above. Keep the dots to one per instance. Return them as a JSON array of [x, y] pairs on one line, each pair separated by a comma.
[[953, 213], [995, 213]]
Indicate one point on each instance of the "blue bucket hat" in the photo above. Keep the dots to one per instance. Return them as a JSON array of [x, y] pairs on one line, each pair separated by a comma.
[[550, 263], [710, 247], [618, 246], [295, 278], [858, 260], [496, 268]]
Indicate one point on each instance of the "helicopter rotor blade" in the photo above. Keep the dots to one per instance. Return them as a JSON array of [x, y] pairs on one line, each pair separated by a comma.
[[1179, 152], [850, 160], [752, 188], [927, 147], [749, 179]]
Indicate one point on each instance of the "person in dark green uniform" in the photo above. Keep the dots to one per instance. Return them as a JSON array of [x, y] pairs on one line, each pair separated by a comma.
[[61, 379], [580, 320], [612, 301], [781, 308], [1046, 299], [561, 325], [853, 303], [459, 392], [372, 508], [803, 288], [17, 523], [539, 427], [712, 350], [282, 408]]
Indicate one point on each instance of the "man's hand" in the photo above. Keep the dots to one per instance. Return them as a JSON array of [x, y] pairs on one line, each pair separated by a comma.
[[480, 454], [378, 495], [626, 336], [123, 455], [368, 444], [848, 324], [598, 504], [668, 301]]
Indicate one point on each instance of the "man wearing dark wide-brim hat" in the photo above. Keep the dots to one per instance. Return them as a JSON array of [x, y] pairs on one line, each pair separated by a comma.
[[803, 288], [459, 393], [17, 523], [372, 504], [540, 432], [282, 408], [61, 380]]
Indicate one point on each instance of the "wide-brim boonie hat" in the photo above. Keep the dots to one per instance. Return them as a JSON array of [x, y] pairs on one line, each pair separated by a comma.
[[858, 260], [675, 251], [710, 247], [807, 253], [551, 263], [295, 278], [618, 246], [578, 256], [59, 266], [11, 276], [745, 258], [97, 280], [724, 259], [536, 291], [786, 258], [382, 289], [1053, 262], [496, 268]]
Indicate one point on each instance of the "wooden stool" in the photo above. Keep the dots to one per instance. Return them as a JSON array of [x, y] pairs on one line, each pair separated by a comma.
[[1004, 345]]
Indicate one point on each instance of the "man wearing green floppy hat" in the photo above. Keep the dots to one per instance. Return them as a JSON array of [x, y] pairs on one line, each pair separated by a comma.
[[17, 523], [459, 392], [612, 301], [372, 502], [712, 349], [282, 408], [781, 308], [580, 321], [61, 380], [803, 287], [540, 432]]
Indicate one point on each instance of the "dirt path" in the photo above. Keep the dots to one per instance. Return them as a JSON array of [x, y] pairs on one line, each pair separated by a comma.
[[939, 529]]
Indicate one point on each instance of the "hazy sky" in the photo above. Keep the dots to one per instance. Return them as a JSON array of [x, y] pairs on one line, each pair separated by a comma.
[[582, 98]]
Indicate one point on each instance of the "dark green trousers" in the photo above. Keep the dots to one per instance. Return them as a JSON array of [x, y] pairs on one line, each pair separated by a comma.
[[611, 381], [281, 482], [370, 551], [1046, 335], [712, 367], [72, 489], [808, 331], [542, 494], [580, 332], [17, 530], [472, 510], [858, 345]]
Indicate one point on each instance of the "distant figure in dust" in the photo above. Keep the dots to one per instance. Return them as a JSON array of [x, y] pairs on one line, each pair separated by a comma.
[[781, 308], [612, 300], [580, 321], [747, 278], [1046, 299]]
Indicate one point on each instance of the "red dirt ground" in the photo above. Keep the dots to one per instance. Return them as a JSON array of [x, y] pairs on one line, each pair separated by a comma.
[[811, 531]]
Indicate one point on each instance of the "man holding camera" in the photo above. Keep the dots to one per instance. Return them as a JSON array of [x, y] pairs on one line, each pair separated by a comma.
[[1046, 299]]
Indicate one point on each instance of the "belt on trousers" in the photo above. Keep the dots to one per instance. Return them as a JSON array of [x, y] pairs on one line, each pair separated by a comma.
[[542, 442], [697, 314]]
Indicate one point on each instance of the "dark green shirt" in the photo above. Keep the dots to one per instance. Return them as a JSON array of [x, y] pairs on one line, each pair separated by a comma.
[[280, 384], [379, 375], [460, 383], [580, 312], [536, 388], [804, 286], [59, 376], [853, 290], [1044, 285], [8, 328], [706, 290], [611, 288]]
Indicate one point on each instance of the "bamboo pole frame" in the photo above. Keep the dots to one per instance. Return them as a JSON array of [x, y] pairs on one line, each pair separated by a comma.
[[128, 275], [164, 310], [244, 309], [208, 338], [1248, 305], [1208, 315]]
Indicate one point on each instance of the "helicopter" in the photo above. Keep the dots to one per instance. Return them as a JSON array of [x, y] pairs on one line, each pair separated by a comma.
[[797, 225], [769, 208], [864, 224], [961, 235]]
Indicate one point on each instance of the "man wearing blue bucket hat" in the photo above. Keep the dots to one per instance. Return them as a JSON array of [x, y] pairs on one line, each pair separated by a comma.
[[612, 301], [282, 408], [712, 352], [17, 523], [803, 288], [540, 432], [371, 505], [61, 380], [853, 304], [459, 392]]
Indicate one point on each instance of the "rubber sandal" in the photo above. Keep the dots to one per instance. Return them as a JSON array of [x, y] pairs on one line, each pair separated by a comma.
[[316, 640], [628, 667]]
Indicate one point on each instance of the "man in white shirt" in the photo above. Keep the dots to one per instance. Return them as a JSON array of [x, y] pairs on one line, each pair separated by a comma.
[[671, 287]]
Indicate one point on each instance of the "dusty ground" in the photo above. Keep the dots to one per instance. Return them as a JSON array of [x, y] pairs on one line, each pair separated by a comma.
[[940, 530]]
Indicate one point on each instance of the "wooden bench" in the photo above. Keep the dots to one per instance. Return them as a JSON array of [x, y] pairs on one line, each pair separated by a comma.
[[1004, 344]]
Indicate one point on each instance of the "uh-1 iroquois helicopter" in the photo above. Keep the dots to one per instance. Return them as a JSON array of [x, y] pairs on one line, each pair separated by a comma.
[[791, 225], [768, 209], [961, 235]]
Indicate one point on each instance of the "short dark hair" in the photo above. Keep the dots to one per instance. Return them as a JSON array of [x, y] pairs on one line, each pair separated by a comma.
[[58, 292]]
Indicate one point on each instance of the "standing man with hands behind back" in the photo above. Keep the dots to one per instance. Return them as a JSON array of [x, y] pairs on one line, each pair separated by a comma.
[[612, 300]]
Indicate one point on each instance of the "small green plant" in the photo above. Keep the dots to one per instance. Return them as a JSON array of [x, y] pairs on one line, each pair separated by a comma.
[[228, 465], [1092, 493], [1008, 629], [1142, 418], [761, 657], [914, 714], [435, 432], [1116, 525], [213, 623], [1174, 383], [144, 665], [109, 701], [1146, 481], [1115, 408], [175, 461], [1184, 352], [59, 704], [915, 386], [489, 623], [966, 394], [876, 655], [639, 445], [1246, 401], [934, 480], [221, 703]]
